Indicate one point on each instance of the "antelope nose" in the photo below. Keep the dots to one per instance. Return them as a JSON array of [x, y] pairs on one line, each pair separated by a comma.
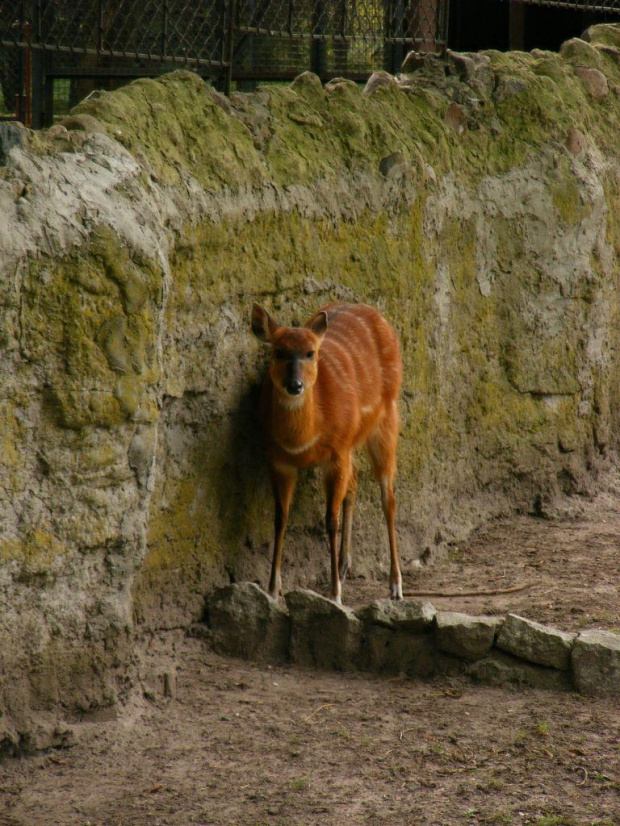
[[294, 387]]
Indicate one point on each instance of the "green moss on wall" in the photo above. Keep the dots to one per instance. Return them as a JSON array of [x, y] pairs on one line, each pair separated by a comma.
[[389, 198], [91, 320]]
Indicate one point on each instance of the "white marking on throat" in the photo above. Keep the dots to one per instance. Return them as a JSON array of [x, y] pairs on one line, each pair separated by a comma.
[[294, 451], [294, 403]]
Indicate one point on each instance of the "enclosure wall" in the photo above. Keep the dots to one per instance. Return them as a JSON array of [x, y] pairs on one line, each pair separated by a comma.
[[475, 201]]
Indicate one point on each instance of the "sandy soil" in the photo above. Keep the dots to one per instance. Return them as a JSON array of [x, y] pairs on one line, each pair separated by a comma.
[[571, 565], [250, 745]]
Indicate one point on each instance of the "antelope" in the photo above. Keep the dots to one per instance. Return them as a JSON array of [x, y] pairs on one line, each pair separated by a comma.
[[331, 387]]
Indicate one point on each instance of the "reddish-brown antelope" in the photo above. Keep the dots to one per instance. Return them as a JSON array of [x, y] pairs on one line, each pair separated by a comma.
[[331, 387]]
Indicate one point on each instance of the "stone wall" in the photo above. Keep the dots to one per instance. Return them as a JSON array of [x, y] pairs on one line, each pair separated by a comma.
[[409, 638], [475, 200]]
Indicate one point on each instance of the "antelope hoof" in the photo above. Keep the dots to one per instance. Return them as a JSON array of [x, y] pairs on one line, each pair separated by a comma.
[[275, 591], [337, 600], [396, 591]]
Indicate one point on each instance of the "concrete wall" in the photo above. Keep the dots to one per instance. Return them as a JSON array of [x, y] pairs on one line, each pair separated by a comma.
[[475, 201]]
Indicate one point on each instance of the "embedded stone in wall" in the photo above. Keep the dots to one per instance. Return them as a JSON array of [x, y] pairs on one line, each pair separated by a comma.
[[596, 663], [594, 81], [389, 650], [536, 643], [247, 622], [323, 634], [468, 637], [473, 69], [456, 118], [11, 134], [576, 141], [501, 669], [397, 638], [379, 80], [415, 616], [508, 87]]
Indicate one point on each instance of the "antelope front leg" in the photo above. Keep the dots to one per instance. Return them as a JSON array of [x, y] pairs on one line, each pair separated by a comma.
[[389, 508], [336, 485], [348, 506], [283, 487]]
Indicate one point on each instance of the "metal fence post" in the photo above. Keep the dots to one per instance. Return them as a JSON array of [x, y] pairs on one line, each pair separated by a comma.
[[516, 22], [230, 47], [42, 88], [318, 50]]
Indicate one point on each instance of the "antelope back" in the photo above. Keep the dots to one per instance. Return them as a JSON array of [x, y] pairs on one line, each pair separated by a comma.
[[360, 369]]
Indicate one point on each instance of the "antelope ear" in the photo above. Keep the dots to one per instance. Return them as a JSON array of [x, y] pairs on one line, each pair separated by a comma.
[[263, 325], [318, 324]]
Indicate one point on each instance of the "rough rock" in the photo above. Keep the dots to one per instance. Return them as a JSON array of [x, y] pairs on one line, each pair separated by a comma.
[[413, 61], [576, 141], [605, 34], [11, 135], [596, 663], [393, 164], [392, 650], [246, 622], [379, 80], [414, 616], [340, 83], [456, 118], [323, 635], [507, 87], [536, 643], [501, 669], [308, 85], [579, 53], [397, 639], [465, 636], [594, 81], [473, 69]]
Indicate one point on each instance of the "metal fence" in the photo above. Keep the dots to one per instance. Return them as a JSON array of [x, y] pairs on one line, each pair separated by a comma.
[[52, 52], [350, 38], [598, 6]]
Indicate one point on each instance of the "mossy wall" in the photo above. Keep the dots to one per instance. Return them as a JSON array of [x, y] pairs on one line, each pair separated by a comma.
[[476, 201]]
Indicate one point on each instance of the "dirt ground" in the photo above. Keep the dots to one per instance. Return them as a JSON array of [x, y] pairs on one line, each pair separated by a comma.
[[244, 745]]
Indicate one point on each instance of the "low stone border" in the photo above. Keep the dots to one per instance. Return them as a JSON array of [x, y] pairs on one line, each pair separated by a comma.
[[410, 638]]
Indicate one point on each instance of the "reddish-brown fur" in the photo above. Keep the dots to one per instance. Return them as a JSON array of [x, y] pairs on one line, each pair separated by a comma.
[[347, 360]]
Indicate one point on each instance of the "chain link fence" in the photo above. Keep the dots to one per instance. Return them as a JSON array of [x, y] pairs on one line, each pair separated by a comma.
[[53, 52], [349, 38], [598, 6]]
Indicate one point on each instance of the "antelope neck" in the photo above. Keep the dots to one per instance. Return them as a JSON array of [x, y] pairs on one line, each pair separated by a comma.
[[294, 425]]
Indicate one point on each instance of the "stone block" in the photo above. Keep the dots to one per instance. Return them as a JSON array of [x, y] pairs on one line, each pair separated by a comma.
[[605, 34], [403, 615], [392, 651], [379, 80], [596, 663], [456, 118], [323, 635], [468, 637], [501, 669], [246, 622], [11, 134], [536, 643], [508, 86], [594, 81], [412, 62]]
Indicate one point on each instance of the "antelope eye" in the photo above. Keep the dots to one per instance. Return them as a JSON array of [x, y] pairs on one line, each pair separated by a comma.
[[310, 354]]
